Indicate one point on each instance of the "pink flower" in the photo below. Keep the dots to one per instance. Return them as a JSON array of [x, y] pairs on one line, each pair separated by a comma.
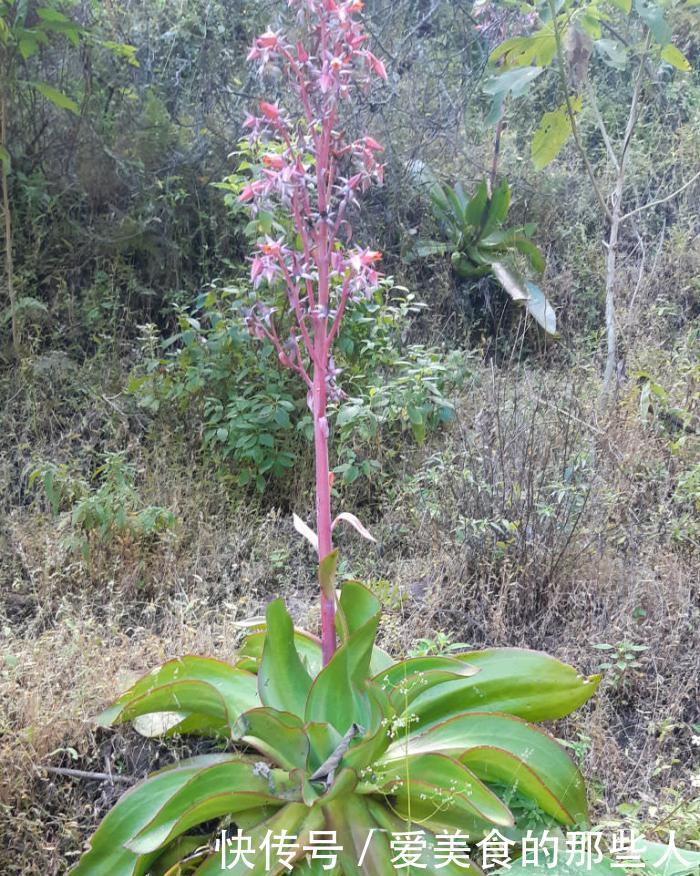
[[270, 111], [372, 144], [376, 65], [268, 40], [273, 160], [272, 247], [251, 191]]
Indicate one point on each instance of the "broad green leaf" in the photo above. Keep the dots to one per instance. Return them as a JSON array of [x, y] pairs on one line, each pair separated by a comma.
[[527, 684], [308, 648], [58, 98], [652, 14], [366, 750], [539, 48], [408, 680], [356, 833], [52, 15], [214, 791], [541, 310], [324, 740], [673, 55], [398, 673], [283, 681], [28, 44], [502, 749], [465, 268], [5, 158], [189, 686], [511, 281], [623, 5], [448, 784], [663, 860], [516, 81], [358, 605], [338, 694], [435, 859], [553, 132], [278, 735], [107, 852], [498, 205], [474, 212], [295, 819], [183, 847], [530, 251]]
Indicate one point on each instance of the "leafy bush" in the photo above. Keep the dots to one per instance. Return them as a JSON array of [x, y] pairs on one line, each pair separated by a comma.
[[104, 515], [255, 419], [361, 747]]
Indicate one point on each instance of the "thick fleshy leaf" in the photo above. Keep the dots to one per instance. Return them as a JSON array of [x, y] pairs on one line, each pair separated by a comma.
[[498, 206], [511, 280], [407, 680], [283, 681], [663, 860], [295, 818], [184, 847], [541, 310], [586, 868], [215, 791], [435, 858], [278, 735], [474, 213], [338, 694], [324, 740], [447, 784], [357, 605], [365, 847], [528, 684], [190, 686], [107, 853], [307, 645], [374, 743], [531, 252], [502, 749]]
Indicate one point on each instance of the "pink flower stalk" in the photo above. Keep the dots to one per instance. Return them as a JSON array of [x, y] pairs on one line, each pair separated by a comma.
[[313, 173]]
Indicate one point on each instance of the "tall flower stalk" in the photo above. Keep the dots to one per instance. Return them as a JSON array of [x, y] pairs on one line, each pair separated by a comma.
[[313, 174]]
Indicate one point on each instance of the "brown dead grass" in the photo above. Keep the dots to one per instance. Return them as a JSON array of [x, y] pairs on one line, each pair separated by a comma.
[[77, 632]]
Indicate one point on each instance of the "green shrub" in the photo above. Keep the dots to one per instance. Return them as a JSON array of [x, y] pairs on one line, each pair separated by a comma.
[[255, 421], [111, 512]]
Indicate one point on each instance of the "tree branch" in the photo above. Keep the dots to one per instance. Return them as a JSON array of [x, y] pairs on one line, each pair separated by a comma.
[[661, 200]]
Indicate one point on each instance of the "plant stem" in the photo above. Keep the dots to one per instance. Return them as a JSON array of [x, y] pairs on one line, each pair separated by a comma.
[[9, 267], [323, 502]]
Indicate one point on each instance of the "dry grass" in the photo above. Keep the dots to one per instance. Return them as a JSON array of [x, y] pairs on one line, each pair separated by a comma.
[[77, 632]]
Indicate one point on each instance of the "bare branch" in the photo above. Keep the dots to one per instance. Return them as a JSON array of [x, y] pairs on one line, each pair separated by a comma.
[[661, 200], [84, 774]]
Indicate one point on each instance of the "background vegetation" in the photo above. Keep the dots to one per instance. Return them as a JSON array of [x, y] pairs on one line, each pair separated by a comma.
[[151, 455]]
